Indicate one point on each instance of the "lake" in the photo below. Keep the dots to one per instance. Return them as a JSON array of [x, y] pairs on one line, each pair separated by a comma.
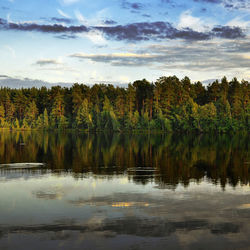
[[124, 191]]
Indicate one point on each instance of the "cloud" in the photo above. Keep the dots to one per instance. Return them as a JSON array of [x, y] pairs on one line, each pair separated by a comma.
[[63, 13], [80, 17], [229, 4], [209, 1], [143, 31], [163, 30], [43, 62], [239, 22], [146, 15], [118, 59], [131, 225], [61, 20], [146, 31], [66, 36], [45, 28], [189, 21], [109, 22], [134, 6], [227, 32], [202, 56]]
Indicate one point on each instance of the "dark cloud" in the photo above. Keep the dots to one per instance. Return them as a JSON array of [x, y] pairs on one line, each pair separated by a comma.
[[171, 3], [228, 32], [209, 1], [109, 22], [44, 62], [134, 6], [146, 15], [163, 30], [124, 60], [61, 20], [3, 76], [66, 36], [146, 31], [229, 4], [55, 28], [143, 31]]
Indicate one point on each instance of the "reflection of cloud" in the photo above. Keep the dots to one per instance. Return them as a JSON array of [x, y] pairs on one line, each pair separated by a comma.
[[244, 206], [117, 200], [50, 195], [145, 227]]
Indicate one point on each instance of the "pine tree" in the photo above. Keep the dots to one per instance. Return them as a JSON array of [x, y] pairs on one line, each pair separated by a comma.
[[31, 113], [2, 116], [83, 117]]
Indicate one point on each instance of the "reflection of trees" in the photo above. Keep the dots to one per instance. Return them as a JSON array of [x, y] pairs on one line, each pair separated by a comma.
[[164, 159]]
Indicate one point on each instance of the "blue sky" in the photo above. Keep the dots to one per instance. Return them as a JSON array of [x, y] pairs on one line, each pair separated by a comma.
[[119, 41]]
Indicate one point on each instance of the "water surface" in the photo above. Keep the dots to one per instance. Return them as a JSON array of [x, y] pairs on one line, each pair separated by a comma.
[[122, 191]]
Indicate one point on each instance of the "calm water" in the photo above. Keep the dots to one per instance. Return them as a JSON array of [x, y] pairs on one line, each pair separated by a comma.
[[121, 191]]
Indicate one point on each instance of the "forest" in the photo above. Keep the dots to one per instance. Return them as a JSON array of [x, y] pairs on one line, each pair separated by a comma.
[[168, 104]]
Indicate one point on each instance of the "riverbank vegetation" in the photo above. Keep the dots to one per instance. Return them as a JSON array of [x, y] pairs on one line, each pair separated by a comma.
[[169, 104]]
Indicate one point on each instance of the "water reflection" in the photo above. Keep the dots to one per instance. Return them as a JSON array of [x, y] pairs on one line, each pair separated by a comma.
[[166, 160], [122, 191]]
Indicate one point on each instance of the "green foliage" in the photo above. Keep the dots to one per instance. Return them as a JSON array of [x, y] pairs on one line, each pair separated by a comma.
[[169, 104], [31, 114], [2, 116], [83, 117]]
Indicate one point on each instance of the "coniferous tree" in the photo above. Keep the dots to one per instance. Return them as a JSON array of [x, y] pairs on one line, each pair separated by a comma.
[[168, 104]]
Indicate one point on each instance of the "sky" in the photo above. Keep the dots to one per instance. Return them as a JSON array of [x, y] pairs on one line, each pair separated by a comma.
[[120, 41]]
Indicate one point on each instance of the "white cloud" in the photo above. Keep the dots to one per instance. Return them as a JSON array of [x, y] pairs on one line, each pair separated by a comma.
[[63, 13], [111, 56], [80, 17], [96, 37], [239, 22], [95, 19], [188, 21], [8, 18]]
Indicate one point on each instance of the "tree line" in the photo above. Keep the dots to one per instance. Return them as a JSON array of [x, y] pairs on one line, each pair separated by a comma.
[[168, 104]]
